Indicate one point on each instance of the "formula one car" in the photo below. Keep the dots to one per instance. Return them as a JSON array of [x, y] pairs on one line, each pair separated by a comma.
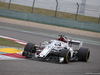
[[61, 50]]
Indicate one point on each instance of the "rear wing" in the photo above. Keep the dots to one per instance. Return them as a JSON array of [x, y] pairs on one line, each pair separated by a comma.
[[75, 42]]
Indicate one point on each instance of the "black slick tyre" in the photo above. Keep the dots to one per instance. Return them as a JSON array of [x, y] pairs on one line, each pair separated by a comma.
[[84, 54], [29, 48], [66, 54]]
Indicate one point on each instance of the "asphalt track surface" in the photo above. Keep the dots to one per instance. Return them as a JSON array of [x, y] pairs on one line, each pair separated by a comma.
[[38, 67]]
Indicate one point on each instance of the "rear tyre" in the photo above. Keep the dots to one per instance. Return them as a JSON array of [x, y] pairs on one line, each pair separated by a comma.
[[28, 50], [83, 54], [65, 53]]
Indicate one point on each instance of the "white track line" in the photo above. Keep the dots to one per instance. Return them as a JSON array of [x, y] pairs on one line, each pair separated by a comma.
[[13, 39], [3, 57]]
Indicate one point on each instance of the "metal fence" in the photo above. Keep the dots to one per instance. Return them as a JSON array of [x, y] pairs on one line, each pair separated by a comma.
[[56, 8]]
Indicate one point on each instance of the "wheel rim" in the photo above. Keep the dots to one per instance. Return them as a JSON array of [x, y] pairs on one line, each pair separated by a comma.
[[87, 55], [67, 56]]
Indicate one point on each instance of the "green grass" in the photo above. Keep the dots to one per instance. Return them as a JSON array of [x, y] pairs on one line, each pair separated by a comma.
[[46, 12], [5, 42]]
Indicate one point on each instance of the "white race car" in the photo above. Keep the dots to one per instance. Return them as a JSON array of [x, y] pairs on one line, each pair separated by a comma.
[[61, 50]]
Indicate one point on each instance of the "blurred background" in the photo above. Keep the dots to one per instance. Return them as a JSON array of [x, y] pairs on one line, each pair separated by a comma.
[[81, 10]]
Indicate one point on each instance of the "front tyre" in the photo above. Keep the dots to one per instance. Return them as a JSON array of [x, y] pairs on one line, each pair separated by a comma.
[[30, 47], [28, 50], [84, 54], [64, 56]]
